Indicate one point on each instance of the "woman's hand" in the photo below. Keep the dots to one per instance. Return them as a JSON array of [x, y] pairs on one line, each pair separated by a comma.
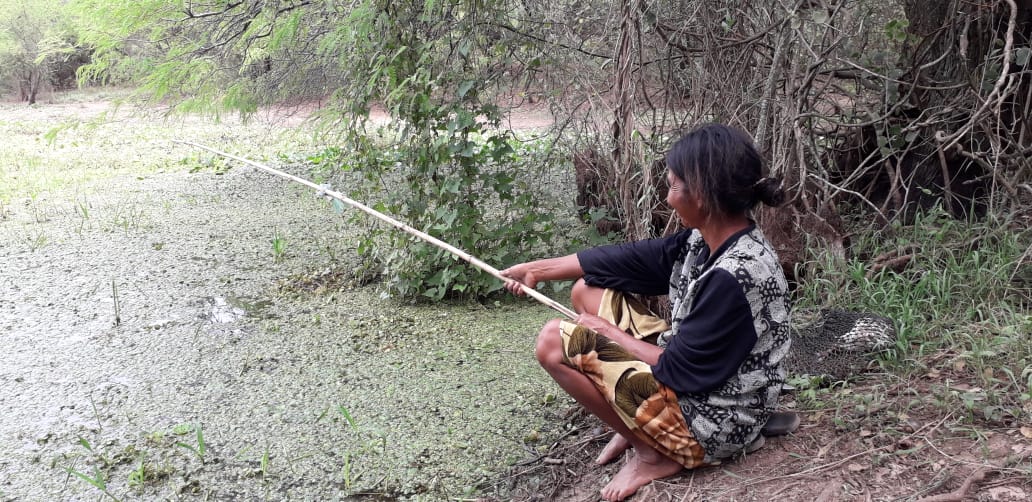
[[528, 275], [595, 323], [520, 276], [644, 351]]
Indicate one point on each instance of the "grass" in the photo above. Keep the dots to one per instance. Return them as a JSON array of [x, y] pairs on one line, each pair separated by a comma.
[[97, 479], [279, 246], [161, 443], [958, 310]]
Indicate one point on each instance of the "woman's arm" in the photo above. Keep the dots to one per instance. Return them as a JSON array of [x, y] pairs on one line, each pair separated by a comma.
[[550, 269]]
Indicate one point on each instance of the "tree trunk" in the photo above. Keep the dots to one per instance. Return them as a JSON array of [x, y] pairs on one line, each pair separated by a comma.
[[955, 53], [625, 159], [34, 83]]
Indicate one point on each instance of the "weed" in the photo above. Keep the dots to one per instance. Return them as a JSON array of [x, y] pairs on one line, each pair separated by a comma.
[[128, 218], [197, 448], [346, 470], [97, 480], [36, 238], [138, 476], [93, 403], [114, 298], [82, 208], [279, 246], [347, 416], [264, 463]]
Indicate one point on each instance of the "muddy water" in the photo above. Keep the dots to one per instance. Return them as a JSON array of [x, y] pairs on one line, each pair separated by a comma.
[[156, 346]]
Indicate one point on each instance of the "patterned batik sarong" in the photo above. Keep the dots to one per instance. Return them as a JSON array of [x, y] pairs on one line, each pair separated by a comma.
[[648, 408]]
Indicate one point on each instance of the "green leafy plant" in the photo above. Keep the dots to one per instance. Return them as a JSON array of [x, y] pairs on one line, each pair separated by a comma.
[[462, 184], [97, 479], [138, 476]]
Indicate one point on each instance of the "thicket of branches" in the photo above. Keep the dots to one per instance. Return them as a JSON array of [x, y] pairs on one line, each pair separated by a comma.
[[877, 107], [885, 106]]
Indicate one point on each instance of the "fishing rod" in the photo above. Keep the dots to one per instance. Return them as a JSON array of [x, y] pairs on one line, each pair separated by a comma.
[[324, 190]]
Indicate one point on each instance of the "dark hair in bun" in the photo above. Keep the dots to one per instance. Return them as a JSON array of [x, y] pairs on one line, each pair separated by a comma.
[[769, 191], [721, 164]]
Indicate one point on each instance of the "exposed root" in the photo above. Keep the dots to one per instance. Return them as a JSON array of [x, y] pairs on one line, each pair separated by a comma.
[[961, 493]]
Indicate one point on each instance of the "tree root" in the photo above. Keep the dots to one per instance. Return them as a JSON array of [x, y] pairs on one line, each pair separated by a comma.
[[959, 494]]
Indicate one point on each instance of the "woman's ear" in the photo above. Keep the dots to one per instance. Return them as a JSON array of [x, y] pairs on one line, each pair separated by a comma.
[[697, 202]]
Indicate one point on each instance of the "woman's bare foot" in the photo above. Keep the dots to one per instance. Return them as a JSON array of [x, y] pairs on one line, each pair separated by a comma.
[[613, 450], [639, 472]]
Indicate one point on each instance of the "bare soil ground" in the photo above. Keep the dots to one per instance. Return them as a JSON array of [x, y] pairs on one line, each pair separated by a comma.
[[845, 453]]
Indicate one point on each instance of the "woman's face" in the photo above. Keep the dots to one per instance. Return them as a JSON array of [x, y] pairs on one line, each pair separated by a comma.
[[683, 201]]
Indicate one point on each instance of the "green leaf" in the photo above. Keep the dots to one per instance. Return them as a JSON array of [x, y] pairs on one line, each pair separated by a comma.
[[1022, 55], [97, 480], [347, 416], [181, 429], [464, 88]]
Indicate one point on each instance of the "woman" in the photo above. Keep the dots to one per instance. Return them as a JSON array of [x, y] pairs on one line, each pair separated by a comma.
[[700, 389]]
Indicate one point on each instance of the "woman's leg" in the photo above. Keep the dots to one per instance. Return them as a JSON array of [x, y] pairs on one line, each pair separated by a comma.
[[648, 464], [585, 298]]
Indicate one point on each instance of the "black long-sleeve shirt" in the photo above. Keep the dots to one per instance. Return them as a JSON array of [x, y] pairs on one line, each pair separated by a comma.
[[718, 333]]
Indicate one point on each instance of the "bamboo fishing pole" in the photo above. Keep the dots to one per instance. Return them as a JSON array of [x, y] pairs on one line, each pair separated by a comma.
[[472, 260]]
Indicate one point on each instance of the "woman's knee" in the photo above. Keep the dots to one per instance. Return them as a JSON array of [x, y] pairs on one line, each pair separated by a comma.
[[549, 347], [585, 298]]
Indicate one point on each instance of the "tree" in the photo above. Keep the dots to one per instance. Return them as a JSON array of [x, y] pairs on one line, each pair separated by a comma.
[[36, 46], [869, 106]]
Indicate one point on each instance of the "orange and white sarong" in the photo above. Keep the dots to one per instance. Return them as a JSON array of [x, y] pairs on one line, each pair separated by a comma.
[[648, 408]]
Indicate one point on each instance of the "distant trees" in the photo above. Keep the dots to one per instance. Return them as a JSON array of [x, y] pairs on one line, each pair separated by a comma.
[[37, 47]]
